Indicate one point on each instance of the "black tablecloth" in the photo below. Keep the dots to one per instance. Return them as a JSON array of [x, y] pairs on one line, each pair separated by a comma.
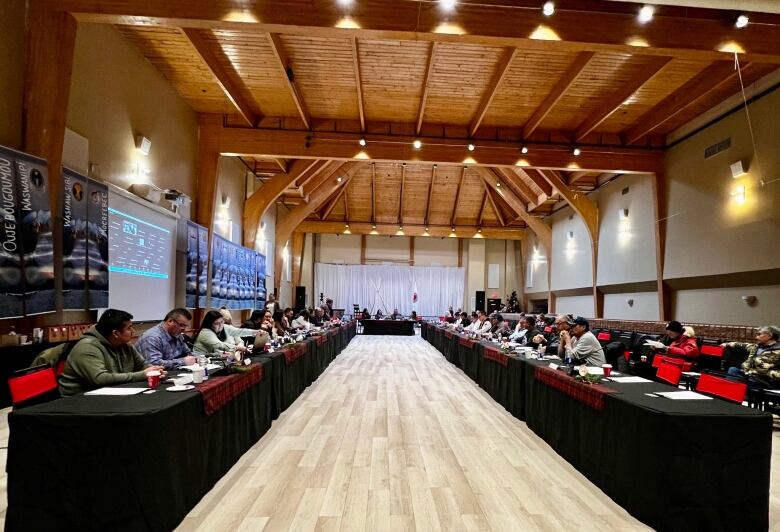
[[141, 462], [694, 465], [390, 327]]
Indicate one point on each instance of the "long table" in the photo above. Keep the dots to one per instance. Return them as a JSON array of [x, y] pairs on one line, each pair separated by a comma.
[[391, 327], [142, 462], [701, 465]]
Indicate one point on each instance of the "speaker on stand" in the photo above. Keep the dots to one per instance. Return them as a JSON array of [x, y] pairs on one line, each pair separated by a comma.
[[300, 298], [480, 300]]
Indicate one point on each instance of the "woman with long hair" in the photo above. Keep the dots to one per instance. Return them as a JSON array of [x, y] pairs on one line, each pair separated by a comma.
[[215, 336]]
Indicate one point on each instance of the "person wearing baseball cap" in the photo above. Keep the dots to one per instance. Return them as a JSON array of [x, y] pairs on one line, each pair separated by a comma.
[[683, 345], [580, 344]]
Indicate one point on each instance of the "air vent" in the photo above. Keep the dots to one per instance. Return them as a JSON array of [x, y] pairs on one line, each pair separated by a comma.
[[624, 191], [723, 145]]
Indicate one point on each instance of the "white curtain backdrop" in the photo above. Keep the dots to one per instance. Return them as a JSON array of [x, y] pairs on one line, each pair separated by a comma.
[[390, 286]]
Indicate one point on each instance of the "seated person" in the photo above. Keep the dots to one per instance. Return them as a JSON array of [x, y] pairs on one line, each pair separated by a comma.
[[226, 315], [287, 319], [463, 321], [518, 333], [277, 331], [533, 336], [396, 315], [317, 318], [302, 322], [762, 366], [379, 315], [500, 327], [680, 344], [484, 325], [163, 344], [328, 309], [215, 336], [554, 345], [104, 357], [255, 319], [581, 345], [413, 316], [541, 321], [366, 314]]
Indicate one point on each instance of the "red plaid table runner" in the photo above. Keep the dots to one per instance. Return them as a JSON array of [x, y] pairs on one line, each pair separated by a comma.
[[495, 355], [291, 354], [219, 391], [466, 342], [448, 334], [320, 339], [590, 394]]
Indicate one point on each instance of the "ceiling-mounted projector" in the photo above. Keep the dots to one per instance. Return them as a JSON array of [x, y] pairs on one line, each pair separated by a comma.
[[146, 191], [174, 196]]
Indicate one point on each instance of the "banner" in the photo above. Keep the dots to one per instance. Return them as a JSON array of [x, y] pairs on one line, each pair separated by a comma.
[[260, 294], [11, 273], [73, 198], [191, 276], [219, 272], [97, 244], [37, 236], [203, 266]]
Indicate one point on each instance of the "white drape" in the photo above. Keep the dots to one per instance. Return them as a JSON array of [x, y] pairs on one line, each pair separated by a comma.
[[391, 286]]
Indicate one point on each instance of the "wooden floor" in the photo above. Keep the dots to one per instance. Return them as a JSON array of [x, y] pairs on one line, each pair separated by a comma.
[[393, 437]]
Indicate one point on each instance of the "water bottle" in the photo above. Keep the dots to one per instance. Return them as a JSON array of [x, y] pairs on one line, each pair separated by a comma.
[[568, 360]]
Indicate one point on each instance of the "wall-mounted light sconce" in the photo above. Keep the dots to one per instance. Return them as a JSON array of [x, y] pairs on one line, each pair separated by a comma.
[[750, 300], [739, 194], [623, 214], [143, 144], [738, 169], [630, 302], [570, 235]]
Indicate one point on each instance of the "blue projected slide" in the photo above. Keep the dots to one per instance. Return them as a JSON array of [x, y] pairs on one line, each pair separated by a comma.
[[138, 247]]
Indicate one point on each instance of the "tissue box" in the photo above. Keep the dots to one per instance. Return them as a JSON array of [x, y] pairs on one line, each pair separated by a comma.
[[10, 339]]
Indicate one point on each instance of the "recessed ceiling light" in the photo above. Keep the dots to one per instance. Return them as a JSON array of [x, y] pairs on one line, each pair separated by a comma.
[[453, 229], [448, 5], [471, 147], [344, 3], [426, 229], [742, 21], [646, 14], [373, 226], [524, 149], [400, 227], [498, 184], [548, 9], [417, 144], [479, 230], [338, 179], [346, 226], [576, 151], [362, 141]]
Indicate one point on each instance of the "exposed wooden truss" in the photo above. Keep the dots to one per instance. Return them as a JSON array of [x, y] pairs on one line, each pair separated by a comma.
[[424, 97], [457, 196], [401, 196], [358, 83], [494, 205], [430, 194], [498, 77], [289, 76], [461, 231]]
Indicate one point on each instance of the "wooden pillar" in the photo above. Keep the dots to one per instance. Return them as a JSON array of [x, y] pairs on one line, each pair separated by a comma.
[[659, 212], [411, 251], [460, 253], [50, 41], [298, 243], [362, 249]]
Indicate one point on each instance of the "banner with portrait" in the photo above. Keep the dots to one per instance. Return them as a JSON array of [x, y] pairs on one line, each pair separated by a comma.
[[11, 271], [203, 266], [73, 198], [260, 293], [219, 271], [37, 236], [97, 244]]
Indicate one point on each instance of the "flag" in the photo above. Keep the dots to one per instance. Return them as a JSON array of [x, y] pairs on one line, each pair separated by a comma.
[[414, 292]]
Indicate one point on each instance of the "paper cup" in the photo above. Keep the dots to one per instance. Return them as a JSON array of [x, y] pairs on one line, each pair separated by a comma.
[[607, 369], [197, 375], [153, 379]]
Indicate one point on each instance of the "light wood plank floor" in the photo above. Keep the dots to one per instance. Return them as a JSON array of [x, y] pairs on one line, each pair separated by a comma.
[[393, 437]]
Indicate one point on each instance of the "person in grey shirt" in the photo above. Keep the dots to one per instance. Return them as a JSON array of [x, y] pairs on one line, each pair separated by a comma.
[[581, 345]]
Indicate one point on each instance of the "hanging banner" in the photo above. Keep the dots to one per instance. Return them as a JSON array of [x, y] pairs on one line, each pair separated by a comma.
[[73, 198], [11, 272], [260, 294], [97, 244], [219, 272], [191, 277], [203, 266], [37, 236]]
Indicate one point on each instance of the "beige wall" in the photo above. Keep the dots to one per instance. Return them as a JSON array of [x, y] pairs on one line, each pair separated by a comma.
[[338, 249], [577, 305], [386, 248], [571, 258], [116, 94], [11, 72], [435, 251], [228, 220], [536, 265], [725, 305], [476, 271], [645, 306]]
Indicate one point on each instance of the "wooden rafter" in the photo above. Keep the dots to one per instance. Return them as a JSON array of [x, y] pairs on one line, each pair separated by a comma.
[[373, 193], [518, 185], [575, 176], [358, 82], [457, 195], [538, 180], [705, 81], [295, 144], [346, 204], [424, 97], [430, 194], [581, 203], [225, 75], [322, 176], [490, 93], [289, 76], [624, 92], [494, 205], [559, 89], [482, 208], [363, 228], [282, 164], [332, 203], [401, 195]]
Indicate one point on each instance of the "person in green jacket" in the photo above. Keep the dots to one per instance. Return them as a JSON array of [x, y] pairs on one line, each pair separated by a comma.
[[104, 357]]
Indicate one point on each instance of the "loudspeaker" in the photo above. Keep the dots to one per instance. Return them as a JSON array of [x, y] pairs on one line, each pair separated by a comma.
[[480, 300], [300, 298]]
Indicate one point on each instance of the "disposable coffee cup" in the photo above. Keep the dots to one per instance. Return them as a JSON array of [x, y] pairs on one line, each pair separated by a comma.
[[153, 379], [197, 375], [607, 369]]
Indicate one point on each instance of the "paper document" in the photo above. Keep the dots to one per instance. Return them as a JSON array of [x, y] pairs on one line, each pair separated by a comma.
[[654, 343], [691, 373], [627, 380], [208, 367], [116, 391], [682, 395]]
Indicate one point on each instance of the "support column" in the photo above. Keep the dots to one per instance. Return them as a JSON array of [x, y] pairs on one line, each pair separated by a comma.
[[411, 251], [298, 243], [659, 212]]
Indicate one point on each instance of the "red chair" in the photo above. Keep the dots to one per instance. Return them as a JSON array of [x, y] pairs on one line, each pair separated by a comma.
[[33, 385], [711, 350], [669, 372], [722, 387], [548, 329], [604, 336], [684, 364]]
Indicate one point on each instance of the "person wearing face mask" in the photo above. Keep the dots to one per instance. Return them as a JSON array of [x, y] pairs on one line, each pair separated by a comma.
[[215, 336]]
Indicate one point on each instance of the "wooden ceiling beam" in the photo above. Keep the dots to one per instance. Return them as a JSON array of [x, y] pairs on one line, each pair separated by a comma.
[[559, 89], [322, 176], [574, 177], [580, 25], [700, 85], [424, 97], [542, 230], [538, 180], [297, 144], [226, 76], [430, 194], [581, 203], [400, 218], [289, 76], [346, 203], [494, 205], [332, 203], [519, 186], [490, 93], [358, 83], [282, 164], [482, 204], [457, 195], [440, 231], [373, 193], [624, 92]]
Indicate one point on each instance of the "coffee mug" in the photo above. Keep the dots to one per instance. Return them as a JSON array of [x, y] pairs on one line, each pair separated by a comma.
[[197, 375], [153, 379], [607, 369]]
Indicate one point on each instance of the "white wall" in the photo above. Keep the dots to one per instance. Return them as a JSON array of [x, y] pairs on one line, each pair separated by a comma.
[[645, 306], [476, 274], [725, 305], [571, 258], [435, 251], [577, 305], [228, 222], [535, 265], [380, 248], [338, 249]]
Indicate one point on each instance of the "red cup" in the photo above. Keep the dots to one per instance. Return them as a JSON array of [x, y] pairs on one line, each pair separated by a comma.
[[153, 379], [607, 369]]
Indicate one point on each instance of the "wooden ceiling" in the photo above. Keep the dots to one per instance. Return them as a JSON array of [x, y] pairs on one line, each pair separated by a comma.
[[284, 75]]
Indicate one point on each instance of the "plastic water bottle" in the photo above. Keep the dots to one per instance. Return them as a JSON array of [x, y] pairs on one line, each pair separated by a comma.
[[568, 360]]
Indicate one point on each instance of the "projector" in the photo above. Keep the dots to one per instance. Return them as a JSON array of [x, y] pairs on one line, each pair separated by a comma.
[[179, 198]]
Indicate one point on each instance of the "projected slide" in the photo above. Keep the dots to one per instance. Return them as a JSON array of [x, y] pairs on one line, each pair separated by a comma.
[[137, 246]]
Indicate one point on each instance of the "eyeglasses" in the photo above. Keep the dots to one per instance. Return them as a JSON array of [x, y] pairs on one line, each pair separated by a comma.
[[182, 325]]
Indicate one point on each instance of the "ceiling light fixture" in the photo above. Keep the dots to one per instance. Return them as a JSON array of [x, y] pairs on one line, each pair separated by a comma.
[[417, 144], [646, 14], [338, 179], [448, 5], [426, 229], [362, 141], [471, 147], [373, 226], [524, 149], [576, 152], [742, 21], [498, 184], [344, 3], [400, 227], [479, 230], [346, 226], [548, 9]]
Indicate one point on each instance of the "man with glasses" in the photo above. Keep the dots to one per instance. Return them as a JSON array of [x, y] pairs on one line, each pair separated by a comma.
[[163, 345]]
